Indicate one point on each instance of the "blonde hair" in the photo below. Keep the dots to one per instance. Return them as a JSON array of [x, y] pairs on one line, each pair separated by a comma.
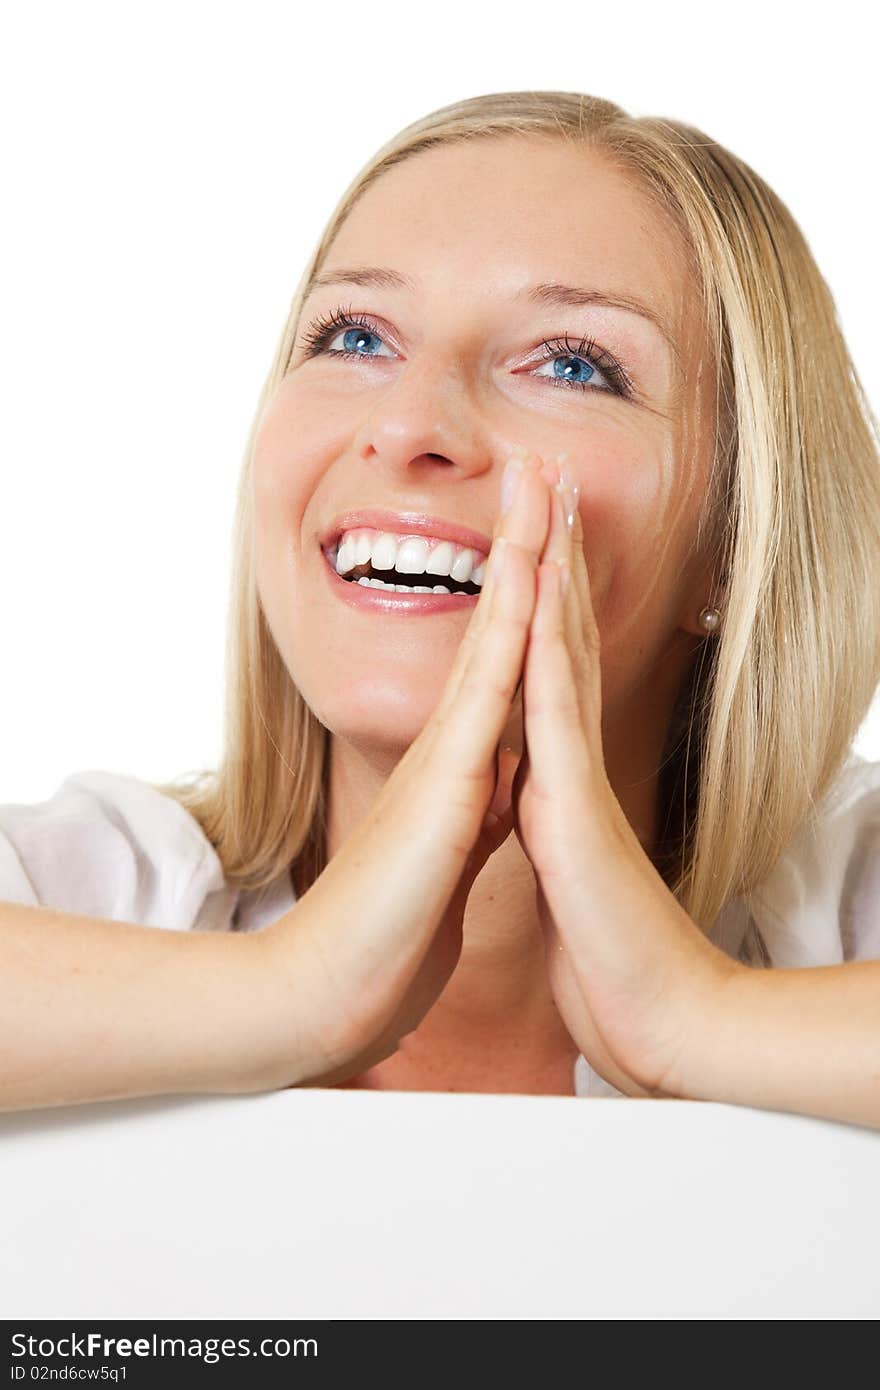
[[791, 522]]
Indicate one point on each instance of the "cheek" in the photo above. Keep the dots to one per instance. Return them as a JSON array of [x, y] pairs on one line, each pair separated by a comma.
[[283, 480], [292, 453], [301, 418], [286, 466], [632, 510]]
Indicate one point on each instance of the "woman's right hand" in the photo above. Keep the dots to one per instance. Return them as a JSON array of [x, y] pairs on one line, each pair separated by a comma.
[[369, 948]]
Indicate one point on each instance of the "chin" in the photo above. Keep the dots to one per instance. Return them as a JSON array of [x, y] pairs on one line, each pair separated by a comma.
[[376, 714]]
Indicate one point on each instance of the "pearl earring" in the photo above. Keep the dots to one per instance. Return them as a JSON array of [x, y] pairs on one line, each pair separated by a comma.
[[710, 619]]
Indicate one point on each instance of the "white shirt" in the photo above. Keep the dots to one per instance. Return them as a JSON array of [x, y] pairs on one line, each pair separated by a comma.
[[108, 845]]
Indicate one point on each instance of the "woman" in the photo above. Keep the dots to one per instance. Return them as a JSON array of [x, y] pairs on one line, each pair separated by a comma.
[[455, 849]]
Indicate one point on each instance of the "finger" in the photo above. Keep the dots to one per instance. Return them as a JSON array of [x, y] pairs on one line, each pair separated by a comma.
[[523, 526], [475, 705], [558, 544], [583, 606], [557, 749], [580, 626]]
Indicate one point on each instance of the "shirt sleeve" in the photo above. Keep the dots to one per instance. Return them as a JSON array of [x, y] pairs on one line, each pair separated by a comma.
[[111, 846], [821, 903]]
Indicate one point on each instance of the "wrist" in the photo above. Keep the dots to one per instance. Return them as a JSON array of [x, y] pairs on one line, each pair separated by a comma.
[[276, 1053], [713, 1031]]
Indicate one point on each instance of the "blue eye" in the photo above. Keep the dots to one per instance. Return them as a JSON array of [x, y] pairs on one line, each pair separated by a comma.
[[574, 363], [570, 360], [353, 339], [322, 331], [567, 373]]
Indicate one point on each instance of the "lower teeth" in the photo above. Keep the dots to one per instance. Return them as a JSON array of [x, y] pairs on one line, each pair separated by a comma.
[[402, 588]]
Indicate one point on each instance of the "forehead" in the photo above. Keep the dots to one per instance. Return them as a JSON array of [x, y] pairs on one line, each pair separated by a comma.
[[503, 212]]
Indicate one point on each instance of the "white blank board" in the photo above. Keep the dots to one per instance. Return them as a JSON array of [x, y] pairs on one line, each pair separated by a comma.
[[319, 1203]]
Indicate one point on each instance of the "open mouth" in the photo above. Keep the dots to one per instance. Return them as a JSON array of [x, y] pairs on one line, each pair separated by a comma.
[[389, 589], [411, 565], [395, 582]]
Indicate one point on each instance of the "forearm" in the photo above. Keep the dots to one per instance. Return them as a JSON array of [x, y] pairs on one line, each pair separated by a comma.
[[803, 1040], [95, 1009]]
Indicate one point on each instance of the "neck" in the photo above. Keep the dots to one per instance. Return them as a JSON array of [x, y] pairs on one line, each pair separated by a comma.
[[498, 1000]]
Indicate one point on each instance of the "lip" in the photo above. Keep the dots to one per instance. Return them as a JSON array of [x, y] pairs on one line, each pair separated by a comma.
[[384, 601], [406, 524]]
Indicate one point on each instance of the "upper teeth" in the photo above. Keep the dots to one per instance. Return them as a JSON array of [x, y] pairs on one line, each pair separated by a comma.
[[385, 550]]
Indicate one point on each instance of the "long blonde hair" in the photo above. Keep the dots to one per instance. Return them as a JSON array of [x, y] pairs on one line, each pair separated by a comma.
[[765, 721]]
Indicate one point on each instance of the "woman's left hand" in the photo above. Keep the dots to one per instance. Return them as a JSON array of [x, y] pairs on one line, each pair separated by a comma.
[[632, 975]]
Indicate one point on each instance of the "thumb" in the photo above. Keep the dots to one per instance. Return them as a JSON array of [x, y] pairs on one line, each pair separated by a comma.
[[497, 824], [519, 782], [498, 820]]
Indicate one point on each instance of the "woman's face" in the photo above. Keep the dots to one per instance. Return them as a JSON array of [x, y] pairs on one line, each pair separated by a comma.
[[459, 356]]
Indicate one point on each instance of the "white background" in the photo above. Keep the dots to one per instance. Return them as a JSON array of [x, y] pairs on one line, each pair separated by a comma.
[[167, 171]]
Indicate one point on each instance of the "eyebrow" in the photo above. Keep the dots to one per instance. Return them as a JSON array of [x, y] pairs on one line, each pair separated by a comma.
[[554, 295]]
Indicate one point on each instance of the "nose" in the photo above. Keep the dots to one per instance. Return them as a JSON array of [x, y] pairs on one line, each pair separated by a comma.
[[428, 418]]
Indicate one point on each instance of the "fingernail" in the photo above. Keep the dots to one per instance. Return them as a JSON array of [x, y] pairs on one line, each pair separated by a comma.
[[509, 479], [573, 495], [569, 495], [496, 559], [568, 492], [550, 471]]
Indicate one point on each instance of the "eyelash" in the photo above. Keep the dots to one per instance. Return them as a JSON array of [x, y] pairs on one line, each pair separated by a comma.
[[322, 329]]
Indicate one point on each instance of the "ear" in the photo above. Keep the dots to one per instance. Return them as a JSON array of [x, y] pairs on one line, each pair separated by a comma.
[[706, 590]]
